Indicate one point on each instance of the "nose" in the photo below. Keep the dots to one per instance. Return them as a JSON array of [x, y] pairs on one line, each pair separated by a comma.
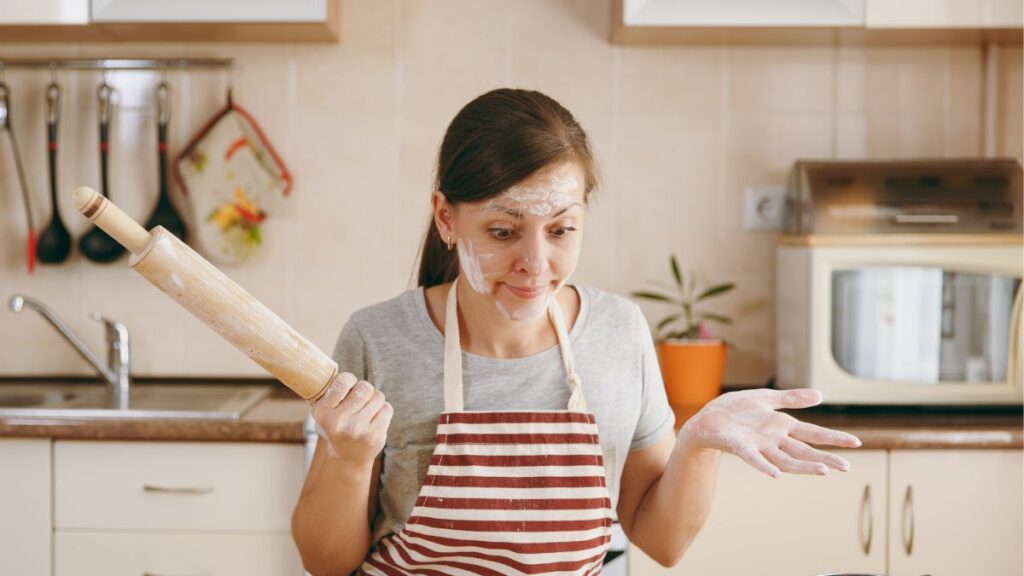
[[533, 259]]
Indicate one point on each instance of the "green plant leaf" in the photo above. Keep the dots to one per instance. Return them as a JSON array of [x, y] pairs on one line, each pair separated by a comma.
[[675, 271], [715, 317], [716, 290], [666, 321], [653, 296]]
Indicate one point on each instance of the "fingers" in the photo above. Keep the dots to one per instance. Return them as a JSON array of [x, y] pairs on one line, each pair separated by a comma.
[[758, 461], [814, 434], [791, 399], [336, 391], [787, 463], [799, 450], [382, 419], [356, 399]]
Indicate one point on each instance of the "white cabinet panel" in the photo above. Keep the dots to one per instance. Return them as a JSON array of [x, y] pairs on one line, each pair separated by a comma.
[[176, 485], [957, 511], [25, 506], [793, 525], [743, 13], [44, 11], [206, 11], [944, 14], [191, 554]]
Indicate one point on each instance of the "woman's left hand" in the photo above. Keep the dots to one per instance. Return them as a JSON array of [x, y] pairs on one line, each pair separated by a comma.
[[746, 423]]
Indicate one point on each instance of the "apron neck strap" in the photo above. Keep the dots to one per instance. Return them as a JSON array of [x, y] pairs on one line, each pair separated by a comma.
[[453, 399]]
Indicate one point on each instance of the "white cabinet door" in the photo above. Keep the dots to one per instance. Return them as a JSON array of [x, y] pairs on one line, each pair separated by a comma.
[[44, 12], [956, 512], [206, 11], [25, 506], [177, 554], [944, 14], [176, 485], [792, 525], [742, 13]]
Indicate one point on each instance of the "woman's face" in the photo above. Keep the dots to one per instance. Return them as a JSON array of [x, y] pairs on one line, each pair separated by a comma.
[[520, 247]]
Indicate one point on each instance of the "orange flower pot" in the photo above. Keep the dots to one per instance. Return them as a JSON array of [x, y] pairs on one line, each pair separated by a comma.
[[692, 371]]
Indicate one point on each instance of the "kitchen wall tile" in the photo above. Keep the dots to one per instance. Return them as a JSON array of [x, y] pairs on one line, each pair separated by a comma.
[[890, 136], [781, 79], [892, 79], [1011, 105]]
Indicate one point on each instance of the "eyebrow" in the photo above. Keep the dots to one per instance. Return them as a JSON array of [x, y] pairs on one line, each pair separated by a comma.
[[518, 214]]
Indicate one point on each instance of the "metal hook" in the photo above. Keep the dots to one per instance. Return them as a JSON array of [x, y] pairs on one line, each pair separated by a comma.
[[53, 72]]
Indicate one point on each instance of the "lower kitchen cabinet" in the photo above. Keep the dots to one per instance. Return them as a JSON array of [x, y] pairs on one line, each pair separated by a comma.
[[177, 554], [25, 506], [175, 508], [956, 512], [792, 525], [899, 512]]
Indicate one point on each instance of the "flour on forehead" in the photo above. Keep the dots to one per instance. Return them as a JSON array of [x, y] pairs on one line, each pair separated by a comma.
[[540, 199]]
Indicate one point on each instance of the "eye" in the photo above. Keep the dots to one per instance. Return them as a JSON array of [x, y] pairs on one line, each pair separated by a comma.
[[500, 233], [562, 232]]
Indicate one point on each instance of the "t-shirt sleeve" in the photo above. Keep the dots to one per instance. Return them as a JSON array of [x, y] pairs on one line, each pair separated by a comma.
[[656, 416]]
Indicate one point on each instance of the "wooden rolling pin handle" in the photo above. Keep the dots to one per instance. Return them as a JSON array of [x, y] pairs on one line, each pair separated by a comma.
[[109, 218]]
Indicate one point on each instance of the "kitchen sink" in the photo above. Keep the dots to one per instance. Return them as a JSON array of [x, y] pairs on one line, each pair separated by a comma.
[[145, 401]]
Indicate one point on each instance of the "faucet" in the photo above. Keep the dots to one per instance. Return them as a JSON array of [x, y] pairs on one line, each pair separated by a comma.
[[117, 371]]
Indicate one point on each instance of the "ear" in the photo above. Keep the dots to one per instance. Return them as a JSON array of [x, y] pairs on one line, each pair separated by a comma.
[[444, 215]]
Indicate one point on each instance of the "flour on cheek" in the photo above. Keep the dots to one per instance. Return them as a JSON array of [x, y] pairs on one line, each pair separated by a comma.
[[470, 262]]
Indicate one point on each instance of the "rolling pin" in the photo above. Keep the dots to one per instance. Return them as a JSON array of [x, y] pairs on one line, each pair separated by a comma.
[[206, 292]]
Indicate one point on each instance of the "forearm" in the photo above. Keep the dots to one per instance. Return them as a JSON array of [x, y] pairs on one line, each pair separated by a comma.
[[330, 522], [677, 504]]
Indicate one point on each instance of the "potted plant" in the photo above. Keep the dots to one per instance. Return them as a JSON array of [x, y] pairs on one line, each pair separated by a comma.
[[692, 359]]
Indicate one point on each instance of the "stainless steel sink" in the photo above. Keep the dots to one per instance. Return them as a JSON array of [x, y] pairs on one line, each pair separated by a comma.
[[146, 401]]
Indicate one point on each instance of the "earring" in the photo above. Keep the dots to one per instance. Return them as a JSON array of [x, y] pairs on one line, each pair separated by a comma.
[[449, 243]]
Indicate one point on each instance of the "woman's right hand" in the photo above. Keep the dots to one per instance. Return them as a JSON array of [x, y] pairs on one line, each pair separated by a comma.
[[355, 418]]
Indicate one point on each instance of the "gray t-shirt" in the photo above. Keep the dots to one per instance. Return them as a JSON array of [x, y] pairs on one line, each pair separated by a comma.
[[395, 346]]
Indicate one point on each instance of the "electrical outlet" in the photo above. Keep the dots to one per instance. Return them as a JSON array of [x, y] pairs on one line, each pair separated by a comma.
[[763, 207]]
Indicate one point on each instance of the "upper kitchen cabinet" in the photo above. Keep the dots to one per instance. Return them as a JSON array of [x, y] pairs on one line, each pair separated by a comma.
[[44, 12], [161, 21], [944, 14], [816, 21]]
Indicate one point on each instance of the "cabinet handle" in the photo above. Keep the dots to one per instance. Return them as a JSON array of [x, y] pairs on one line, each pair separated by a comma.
[[908, 508], [865, 508], [201, 489]]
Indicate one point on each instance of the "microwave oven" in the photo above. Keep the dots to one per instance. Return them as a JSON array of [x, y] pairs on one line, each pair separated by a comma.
[[899, 283]]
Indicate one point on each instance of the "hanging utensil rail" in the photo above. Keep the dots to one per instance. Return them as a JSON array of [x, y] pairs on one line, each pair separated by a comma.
[[115, 63]]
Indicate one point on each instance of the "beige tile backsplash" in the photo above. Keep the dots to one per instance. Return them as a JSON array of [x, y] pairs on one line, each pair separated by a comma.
[[678, 132]]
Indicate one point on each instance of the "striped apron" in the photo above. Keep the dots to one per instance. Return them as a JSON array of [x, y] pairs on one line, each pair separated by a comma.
[[506, 493]]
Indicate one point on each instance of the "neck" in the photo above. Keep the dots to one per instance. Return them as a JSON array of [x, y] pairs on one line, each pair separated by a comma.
[[485, 331]]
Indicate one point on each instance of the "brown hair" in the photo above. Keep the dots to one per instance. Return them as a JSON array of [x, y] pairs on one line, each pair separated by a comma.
[[494, 142]]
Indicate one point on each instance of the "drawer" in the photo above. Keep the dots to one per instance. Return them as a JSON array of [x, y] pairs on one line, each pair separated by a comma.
[[176, 485], [174, 554]]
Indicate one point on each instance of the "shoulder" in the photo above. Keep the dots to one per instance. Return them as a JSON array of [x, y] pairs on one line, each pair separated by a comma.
[[398, 313], [608, 310]]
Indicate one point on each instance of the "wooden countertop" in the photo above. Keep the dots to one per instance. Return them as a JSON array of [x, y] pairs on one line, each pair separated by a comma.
[[280, 418]]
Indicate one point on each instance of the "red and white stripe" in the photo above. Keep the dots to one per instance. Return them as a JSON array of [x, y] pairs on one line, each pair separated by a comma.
[[506, 493]]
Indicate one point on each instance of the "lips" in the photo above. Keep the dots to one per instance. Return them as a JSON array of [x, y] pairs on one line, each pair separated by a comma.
[[526, 293]]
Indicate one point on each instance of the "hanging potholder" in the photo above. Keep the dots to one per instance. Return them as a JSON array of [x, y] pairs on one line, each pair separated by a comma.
[[233, 180]]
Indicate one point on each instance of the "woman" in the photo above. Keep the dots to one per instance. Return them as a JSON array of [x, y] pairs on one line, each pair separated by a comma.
[[522, 412]]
